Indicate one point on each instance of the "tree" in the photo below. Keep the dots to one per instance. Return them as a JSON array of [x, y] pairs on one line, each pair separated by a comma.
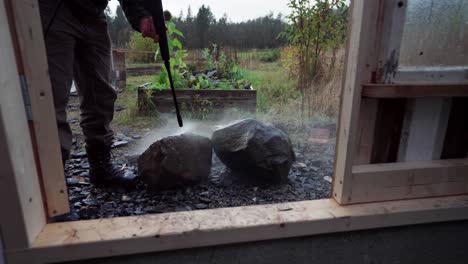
[[315, 29], [203, 22], [119, 28]]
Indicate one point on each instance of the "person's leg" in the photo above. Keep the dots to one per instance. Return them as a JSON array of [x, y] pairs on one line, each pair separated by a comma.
[[60, 45], [92, 75]]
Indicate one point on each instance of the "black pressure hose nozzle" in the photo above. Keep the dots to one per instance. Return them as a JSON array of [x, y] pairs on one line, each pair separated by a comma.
[[155, 7]]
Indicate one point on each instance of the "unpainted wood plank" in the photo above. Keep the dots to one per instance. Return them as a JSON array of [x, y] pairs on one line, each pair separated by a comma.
[[367, 121], [360, 63], [22, 215], [391, 26], [32, 50], [162, 232], [414, 90], [408, 180]]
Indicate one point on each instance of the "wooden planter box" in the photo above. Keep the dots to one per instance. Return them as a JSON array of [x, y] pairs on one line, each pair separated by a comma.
[[197, 100], [140, 71]]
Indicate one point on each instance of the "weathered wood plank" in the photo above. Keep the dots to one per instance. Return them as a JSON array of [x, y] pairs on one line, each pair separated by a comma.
[[245, 100], [153, 233], [414, 90]]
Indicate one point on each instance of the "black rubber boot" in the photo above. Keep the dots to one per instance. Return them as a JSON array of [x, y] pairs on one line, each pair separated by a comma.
[[104, 172]]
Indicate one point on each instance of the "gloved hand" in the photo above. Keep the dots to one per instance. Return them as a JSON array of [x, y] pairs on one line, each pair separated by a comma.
[[147, 29]]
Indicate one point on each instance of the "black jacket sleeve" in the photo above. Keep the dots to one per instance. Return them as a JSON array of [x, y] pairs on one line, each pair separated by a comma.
[[134, 11]]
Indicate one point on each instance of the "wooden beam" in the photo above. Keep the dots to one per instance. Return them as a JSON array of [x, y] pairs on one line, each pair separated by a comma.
[[358, 70], [385, 55], [163, 232], [25, 15], [391, 26], [22, 216], [367, 122], [414, 90], [396, 181]]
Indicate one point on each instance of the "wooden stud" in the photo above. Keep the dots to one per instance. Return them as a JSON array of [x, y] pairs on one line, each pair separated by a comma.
[[391, 26], [384, 62], [359, 65], [397, 181], [163, 232], [367, 122], [32, 51], [414, 90], [22, 215]]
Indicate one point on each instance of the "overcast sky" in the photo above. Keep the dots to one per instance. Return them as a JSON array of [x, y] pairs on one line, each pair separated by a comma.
[[237, 10]]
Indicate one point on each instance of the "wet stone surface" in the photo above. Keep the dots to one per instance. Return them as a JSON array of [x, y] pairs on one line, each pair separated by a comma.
[[308, 179]]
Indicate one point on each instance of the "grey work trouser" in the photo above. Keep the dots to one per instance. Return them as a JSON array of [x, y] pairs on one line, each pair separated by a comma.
[[80, 49]]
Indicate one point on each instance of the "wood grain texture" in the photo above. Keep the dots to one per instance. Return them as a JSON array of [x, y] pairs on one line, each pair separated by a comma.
[[409, 180], [359, 65], [32, 51], [414, 90], [245, 100], [22, 216], [163, 232]]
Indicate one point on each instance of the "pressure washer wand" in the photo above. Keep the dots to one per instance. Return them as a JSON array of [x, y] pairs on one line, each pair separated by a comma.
[[155, 7]]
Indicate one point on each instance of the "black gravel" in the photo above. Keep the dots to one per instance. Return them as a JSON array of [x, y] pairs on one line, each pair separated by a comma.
[[309, 179]]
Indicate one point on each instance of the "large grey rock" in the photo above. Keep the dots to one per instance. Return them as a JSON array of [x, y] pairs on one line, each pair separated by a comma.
[[176, 161], [255, 150]]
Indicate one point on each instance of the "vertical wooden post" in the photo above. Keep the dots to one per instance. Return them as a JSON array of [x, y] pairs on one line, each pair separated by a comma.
[[359, 64], [31, 55], [386, 50], [120, 69], [21, 201]]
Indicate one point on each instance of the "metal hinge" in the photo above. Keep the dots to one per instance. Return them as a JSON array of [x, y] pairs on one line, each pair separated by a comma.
[[26, 98]]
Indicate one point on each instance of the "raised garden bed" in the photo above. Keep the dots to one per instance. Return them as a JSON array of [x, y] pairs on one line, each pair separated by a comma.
[[140, 71], [193, 100]]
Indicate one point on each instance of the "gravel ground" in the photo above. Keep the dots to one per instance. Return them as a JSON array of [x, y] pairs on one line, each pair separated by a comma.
[[310, 178]]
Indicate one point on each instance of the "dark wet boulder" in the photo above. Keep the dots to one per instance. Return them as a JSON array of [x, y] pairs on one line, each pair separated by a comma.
[[255, 150], [176, 161]]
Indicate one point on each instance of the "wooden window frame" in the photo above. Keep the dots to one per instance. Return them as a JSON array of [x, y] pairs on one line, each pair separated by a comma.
[[32, 183]]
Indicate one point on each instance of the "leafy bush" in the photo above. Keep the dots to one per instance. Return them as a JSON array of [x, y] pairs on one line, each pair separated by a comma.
[[140, 45]]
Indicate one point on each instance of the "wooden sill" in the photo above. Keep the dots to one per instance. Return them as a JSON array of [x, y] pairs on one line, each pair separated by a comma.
[[163, 232]]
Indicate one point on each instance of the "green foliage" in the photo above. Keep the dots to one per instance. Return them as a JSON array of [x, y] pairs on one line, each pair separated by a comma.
[[178, 67], [315, 28], [140, 45], [119, 29]]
